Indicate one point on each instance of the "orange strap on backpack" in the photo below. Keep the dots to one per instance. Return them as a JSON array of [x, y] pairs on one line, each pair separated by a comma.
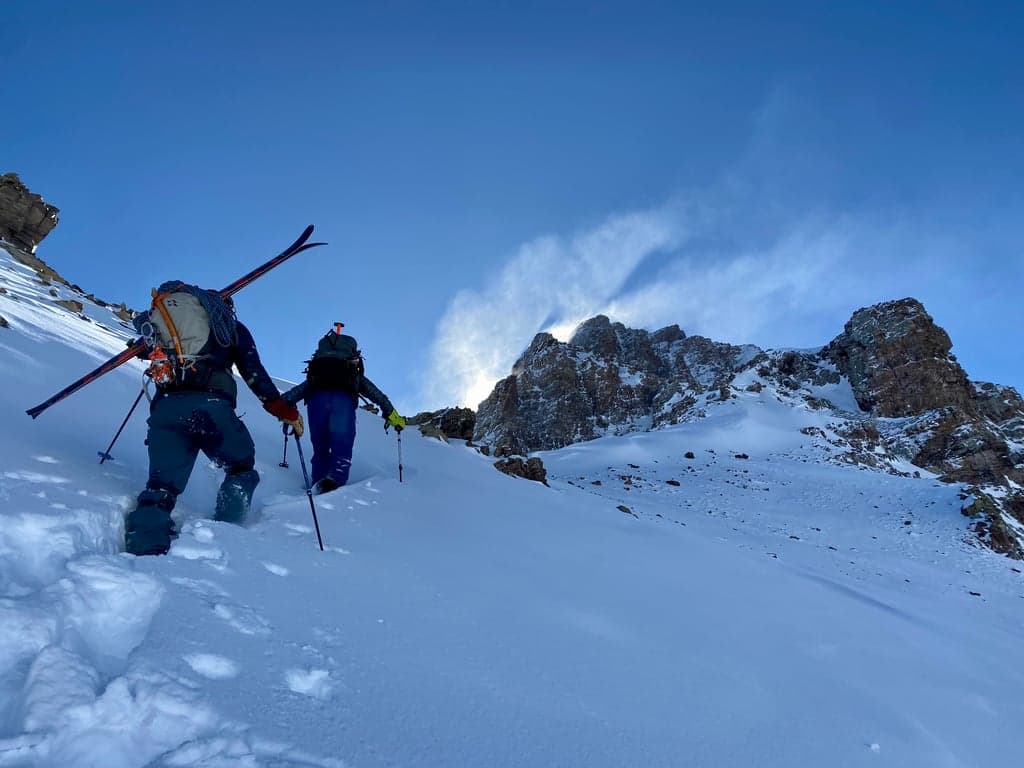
[[158, 302]]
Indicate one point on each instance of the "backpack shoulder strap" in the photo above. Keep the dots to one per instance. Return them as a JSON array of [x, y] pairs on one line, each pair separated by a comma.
[[158, 304]]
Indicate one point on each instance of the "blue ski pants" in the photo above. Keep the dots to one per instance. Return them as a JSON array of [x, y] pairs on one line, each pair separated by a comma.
[[331, 417]]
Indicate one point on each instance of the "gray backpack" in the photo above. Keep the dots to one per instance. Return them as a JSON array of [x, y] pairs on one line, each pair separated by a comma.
[[181, 324]]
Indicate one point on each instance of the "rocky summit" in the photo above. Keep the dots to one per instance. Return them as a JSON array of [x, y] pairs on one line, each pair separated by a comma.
[[25, 218], [607, 379], [911, 406]]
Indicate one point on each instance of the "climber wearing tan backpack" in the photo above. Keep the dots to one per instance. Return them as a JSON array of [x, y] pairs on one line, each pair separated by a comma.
[[193, 340]]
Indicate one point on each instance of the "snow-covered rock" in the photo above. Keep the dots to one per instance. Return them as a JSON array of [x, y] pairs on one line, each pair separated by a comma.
[[899, 400]]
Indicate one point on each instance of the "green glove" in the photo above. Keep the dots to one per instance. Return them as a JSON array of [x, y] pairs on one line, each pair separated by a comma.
[[395, 420]]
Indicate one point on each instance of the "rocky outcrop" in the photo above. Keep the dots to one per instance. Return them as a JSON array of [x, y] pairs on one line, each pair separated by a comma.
[[528, 469], [898, 361], [991, 525], [47, 274], [448, 423], [913, 400], [607, 379], [900, 366], [25, 218], [72, 305]]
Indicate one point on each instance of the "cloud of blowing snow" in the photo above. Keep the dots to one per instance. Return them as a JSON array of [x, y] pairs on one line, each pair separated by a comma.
[[552, 284], [566, 279]]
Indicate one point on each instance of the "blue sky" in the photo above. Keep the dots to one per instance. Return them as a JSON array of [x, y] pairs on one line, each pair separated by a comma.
[[754, 172]]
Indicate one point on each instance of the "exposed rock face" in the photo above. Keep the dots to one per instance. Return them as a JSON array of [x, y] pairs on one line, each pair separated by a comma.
[[915, 401], [898, 361], [529, 469], [25, 218], [607, 379], [453, 423], [899, 365]]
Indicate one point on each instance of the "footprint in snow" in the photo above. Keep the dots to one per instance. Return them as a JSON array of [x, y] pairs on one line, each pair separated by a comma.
[[36, 477], [195, 543], [212, 666], [201, 587], [46, 459], [202, 532], [309, 682], [242, 618], [192, 552], [294, 529], [277, 570], [109, 609]]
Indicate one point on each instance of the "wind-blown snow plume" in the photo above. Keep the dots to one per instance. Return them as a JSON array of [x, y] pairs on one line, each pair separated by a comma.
[[733, 297], [550, 280]]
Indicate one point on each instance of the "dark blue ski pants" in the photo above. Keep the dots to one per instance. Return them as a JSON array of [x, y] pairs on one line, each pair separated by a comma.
[[180, 425], [331, 417]]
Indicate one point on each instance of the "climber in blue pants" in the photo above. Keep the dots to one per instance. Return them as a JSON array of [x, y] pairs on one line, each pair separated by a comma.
[[334, 382], [334, 413]]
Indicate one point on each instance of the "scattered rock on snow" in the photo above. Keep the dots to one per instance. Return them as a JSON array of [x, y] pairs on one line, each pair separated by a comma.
[[71, 305]]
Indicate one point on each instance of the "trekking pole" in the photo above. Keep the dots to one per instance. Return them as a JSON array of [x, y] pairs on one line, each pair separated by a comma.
[[284, 456], [104, 455], [398, 433], [309, 489]]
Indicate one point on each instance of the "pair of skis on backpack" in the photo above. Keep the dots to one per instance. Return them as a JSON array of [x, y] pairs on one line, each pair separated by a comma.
[[139, 345]]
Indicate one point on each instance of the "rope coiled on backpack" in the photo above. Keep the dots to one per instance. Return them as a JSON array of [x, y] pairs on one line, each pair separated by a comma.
[[223, 323]]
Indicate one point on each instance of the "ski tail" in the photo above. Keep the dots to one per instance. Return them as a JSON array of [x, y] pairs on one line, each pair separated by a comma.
[[90, 377]]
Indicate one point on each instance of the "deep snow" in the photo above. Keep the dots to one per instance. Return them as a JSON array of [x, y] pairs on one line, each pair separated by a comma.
[[777, 610]]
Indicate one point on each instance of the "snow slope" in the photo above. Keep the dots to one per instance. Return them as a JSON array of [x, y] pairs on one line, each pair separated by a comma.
[[775, 610]]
